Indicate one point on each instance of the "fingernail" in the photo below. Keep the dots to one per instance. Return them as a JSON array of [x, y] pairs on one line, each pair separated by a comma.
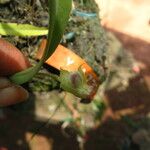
[[12, 95], [4, 82]]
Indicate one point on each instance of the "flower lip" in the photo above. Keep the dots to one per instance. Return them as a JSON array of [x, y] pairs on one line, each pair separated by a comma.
[[93, 83]]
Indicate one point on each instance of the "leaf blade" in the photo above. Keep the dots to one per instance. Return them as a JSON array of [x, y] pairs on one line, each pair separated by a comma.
[[59, 12], [22, 29]]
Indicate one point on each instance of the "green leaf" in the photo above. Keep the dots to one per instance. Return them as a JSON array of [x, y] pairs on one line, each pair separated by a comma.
[[63, 9], [59, 11], [22, 29]]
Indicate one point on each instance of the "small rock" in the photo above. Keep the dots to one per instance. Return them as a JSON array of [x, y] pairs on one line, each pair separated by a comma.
[[142, 137]]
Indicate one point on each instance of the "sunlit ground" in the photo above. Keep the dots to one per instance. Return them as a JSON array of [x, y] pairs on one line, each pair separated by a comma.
[[129, 21]]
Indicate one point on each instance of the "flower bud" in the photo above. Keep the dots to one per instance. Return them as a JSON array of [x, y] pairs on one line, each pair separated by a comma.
[[78, 83]]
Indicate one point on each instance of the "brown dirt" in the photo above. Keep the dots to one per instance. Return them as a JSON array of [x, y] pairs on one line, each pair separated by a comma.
[[125, 26], [133, 101]]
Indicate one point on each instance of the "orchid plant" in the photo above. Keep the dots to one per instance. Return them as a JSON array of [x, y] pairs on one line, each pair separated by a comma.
[[59, 10]]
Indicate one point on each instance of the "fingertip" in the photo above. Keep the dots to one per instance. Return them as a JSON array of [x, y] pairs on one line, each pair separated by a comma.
[[12, 95], [22, 93], [12, 60]]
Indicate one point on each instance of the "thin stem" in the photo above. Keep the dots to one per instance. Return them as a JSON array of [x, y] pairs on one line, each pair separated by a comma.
[[48, 120]]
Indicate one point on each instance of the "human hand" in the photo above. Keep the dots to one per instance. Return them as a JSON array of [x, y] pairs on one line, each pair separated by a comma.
[[10, 93], [11, 61]]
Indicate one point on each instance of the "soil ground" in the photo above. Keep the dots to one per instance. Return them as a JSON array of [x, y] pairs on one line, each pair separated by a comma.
[[125, 124]]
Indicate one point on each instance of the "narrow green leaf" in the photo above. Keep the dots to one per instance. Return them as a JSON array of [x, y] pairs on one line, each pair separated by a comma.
[[22, 29], [59, 11], [63, 8]]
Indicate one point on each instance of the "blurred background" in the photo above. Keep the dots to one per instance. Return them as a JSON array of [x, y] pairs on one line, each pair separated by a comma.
[[113, 36]]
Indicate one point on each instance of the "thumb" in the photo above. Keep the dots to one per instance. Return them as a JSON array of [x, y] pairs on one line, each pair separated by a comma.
[[11, 59]]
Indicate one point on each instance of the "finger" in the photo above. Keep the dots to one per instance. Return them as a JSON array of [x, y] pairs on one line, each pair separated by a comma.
[[11, 59], [4, 83], [12, 94]]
